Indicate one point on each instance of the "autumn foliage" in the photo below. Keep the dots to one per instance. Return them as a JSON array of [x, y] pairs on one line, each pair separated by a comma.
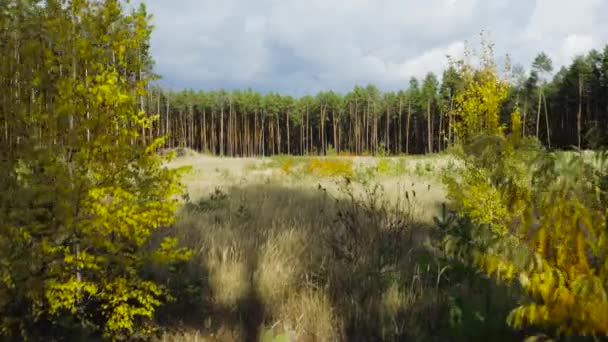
[[81, 194], [545, 212]]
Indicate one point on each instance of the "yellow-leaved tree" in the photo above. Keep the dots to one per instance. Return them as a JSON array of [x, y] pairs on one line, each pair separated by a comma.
[[81, 195], [546, 212], [477, 106]]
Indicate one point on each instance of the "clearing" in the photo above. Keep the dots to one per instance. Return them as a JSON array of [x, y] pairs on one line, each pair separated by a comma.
[[321, 248]]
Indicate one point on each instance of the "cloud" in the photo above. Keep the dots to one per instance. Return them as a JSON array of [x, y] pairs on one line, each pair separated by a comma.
[[565, 28], [433, 60], [574, 45], [300, 47]]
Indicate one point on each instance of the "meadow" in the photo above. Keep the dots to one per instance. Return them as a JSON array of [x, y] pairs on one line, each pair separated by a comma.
[[322, 249]]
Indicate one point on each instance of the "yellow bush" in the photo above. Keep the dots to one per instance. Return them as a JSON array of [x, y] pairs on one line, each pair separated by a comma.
[[287, 165], [330, 167]]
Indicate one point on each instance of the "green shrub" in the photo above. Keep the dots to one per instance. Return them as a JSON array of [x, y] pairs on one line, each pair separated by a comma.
[[384, 166], [419, 170]]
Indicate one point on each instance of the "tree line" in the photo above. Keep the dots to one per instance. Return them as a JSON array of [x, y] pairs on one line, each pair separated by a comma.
[[569, 110]]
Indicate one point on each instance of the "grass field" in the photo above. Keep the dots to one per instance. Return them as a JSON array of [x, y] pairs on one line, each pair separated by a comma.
[[396, 174], [321, 249]]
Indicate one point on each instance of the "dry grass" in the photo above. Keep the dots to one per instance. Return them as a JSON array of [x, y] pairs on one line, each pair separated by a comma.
[[310, 315], [419, 175], [312, 255]]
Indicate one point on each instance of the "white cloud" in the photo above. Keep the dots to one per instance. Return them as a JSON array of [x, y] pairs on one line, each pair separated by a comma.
[[562, 17], [576, 45], [299, 46], [433, 60], [564, 28]]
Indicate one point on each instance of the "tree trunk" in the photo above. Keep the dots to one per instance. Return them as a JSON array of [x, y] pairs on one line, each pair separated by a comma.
[[400, 144], [540, 94], [160, 120], [230, 132], [580, 111], [450, 121], [262, 137], [308, 132], [407, 127], [366, 123], [428, 124], [222, 131], [320, 152], [440, 134], [287, 124], [525, 123], [213, 140], [168, 125], [205, 142], [335, 131], [547, 122], [387, 140], [278, 134], [192, 129], [255, 134]]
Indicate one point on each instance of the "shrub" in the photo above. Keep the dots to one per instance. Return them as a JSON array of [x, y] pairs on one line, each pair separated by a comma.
[[419, 170], [287, 166], [330, 167], [543, 219], [384, 166]]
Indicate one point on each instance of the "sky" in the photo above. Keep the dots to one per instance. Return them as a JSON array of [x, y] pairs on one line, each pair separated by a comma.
[[301, 47]]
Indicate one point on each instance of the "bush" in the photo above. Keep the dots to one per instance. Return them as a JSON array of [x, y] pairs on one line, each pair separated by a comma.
[[384, 166], [287, 166], [544, 220], [330, 167]]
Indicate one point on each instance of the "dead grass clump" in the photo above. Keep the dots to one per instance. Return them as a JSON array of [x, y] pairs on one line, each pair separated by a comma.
[[280, 268], [228, 280], [310, 315], [396, 299]]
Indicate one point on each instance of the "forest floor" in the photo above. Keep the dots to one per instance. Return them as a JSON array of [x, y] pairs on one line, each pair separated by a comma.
[[321, 249]]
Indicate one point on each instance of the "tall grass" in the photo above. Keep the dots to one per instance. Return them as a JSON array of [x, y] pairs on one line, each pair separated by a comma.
[[311, 264], [284, 250]]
